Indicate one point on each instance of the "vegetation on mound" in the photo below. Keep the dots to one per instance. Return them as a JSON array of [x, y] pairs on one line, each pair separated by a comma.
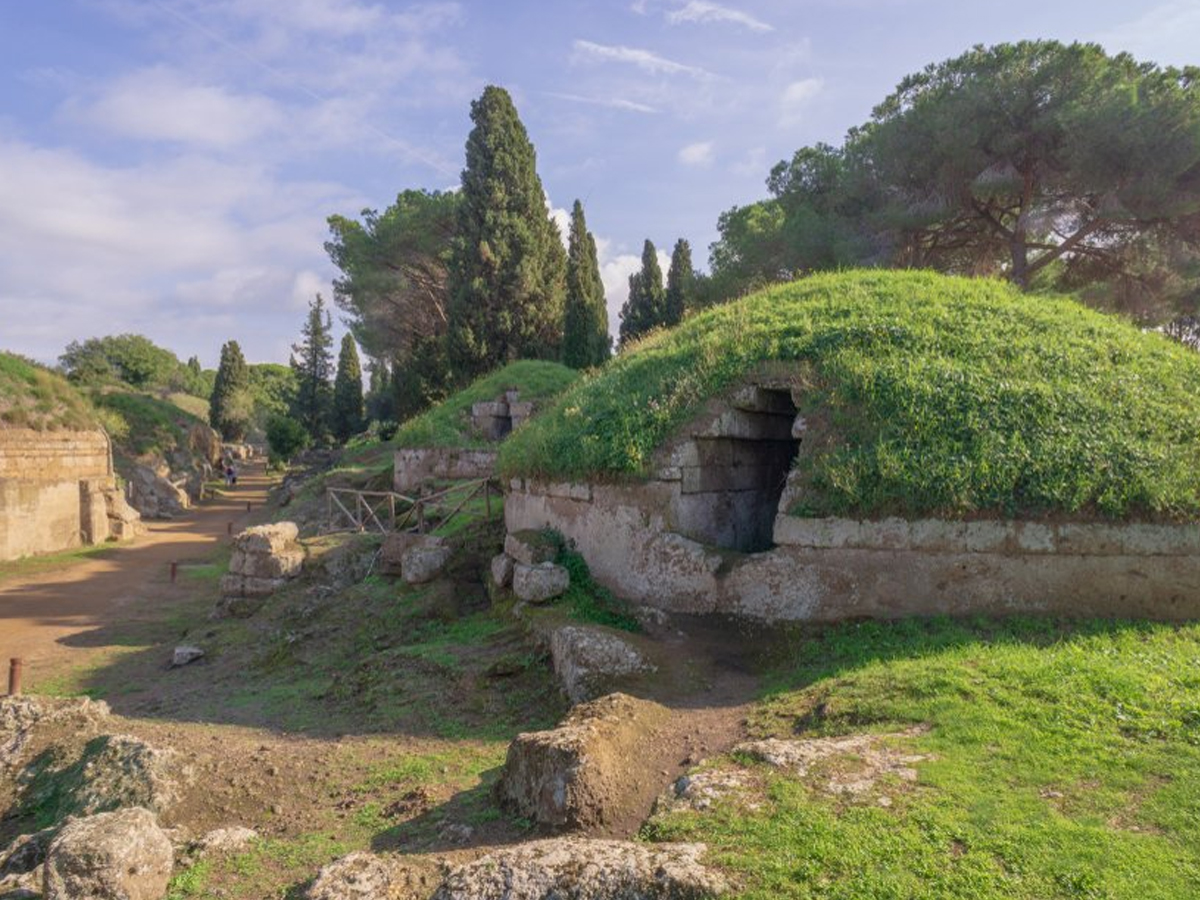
[[1063, 762], [141, 424], [34, 397], [933, 395], [449, 423]]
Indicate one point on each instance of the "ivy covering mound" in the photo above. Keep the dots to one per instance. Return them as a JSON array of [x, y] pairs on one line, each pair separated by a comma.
[[34, 397], [449, 423], [927, 395]]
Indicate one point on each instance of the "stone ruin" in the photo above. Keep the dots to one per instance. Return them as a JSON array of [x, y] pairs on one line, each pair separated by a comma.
[[491, 420], [713, 530], [264, 559]]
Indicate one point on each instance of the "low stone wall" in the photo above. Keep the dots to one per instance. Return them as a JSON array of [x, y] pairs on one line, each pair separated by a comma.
[[830, 569], [416, 465], [57, 491]]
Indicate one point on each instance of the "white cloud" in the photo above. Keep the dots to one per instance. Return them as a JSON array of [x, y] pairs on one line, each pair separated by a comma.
[[610, 102], [704, 11], [796, 97], [643, 59], [163, 104], [615, 269], [699, 154]]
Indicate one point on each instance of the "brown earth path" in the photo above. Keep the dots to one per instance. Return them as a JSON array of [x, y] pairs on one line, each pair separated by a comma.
[[45, 618]]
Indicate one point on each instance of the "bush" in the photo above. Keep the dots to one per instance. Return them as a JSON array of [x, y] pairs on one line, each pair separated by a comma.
[[285, 437]]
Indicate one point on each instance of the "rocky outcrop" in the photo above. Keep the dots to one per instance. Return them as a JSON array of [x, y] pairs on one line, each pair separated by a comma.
[[264, 559], [582, 869], [574, 775], [502, 570], [21, 863], [591, 661], [120, 855], [417, 558], [539, 583], [154, 494], [370, 876], [22, 717], [530, 547], [204, 443]]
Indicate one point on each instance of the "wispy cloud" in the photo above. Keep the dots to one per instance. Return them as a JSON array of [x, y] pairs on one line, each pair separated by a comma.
[[610, 102], [699, 154], [704, 11], [1166, 33], [643, 59], [796, 96]]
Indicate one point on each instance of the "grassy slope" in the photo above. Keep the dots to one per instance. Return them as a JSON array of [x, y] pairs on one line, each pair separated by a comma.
[[141, 423], [941, 395], [449, 423], [1066, 764], [33, 397]]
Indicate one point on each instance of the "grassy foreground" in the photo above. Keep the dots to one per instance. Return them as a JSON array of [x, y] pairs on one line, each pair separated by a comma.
[[1064, 763], [925, 394]]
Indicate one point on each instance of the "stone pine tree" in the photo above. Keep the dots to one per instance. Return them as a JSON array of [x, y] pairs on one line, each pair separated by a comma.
[[313, 364], [645, 307], [507, 266], [585, 319], [346, 416], [229, 405], [681, 278]]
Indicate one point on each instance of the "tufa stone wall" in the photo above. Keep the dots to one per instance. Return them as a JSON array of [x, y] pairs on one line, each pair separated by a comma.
[[57, 491], [417, 465]]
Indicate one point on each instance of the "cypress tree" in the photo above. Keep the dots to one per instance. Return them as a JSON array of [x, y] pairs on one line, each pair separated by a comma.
[[346, 418], [313, 365], [507, 267], [229, 405], [645, 308], [585, 320], [681, 278]]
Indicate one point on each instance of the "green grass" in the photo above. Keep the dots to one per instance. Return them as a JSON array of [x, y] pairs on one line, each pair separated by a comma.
[[141, 424], [52, 562], [1064, 763], [193, 406], [449, 423], [34, 397], [924, 395]]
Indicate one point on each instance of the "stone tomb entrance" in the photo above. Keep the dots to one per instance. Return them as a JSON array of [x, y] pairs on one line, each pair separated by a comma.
[[494, 419], [733, 468]]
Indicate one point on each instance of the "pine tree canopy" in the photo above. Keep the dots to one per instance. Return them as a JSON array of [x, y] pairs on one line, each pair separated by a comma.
[[346, 418], [646, 307], [680, 280], [313, 365], [586, 342]]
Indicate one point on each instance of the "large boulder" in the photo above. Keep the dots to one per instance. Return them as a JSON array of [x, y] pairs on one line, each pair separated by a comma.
[[21, 717], [264, 558], [267, 539], [539, 583], [22, 863], [530, 546], [121, 855], [581, 869], [592, 661], [423, 563], [370, 876], [283, 563], [205, 443], [576, 775], [154, 495]]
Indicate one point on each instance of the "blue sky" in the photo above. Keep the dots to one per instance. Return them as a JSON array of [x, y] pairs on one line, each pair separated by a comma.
[[166, 166]]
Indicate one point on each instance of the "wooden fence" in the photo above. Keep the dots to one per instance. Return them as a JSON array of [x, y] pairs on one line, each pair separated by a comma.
[[347, 509]]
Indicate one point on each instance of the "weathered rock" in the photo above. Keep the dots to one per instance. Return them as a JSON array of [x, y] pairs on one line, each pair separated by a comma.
[[581, 869], [591, 661], [267, 539], [424, 562], [398, 543], [22, 864], [245, 586], [154, 495], [120, 855], [574, 775], [370, 876], [541, 582], [223, 840], [283, 563], [530, 547], [21, 716], [502, 570], [184, 654], [205, 443], [698, 791]]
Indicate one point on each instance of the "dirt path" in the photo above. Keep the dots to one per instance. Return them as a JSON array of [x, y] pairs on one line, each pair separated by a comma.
[[46, 618]]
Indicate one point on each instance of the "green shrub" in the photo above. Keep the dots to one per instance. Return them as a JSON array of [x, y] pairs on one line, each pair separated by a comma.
[[928, 395], [285, 438]]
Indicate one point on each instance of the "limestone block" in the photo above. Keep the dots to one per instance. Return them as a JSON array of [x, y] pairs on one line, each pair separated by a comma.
[[520, 412], [502, 570], [490, 408], [424, 562], [530, 546], [184, 654], [541, 582], [233, 585], [590, 661], [574, 775], [121, 855], [372, 876], [267, 539], [281, 564]]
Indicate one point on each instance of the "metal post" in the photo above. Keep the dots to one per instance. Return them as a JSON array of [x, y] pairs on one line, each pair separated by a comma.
[[174, 567], [229, 528], [14, 676], [247, 506]]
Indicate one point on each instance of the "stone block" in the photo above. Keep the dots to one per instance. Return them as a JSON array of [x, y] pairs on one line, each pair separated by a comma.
[[282, 564], [530, 547], [592, 661], [541, 582], [266, 539], [424, 562], [233, 585], [492, 408], [122, 854], [502, 570]]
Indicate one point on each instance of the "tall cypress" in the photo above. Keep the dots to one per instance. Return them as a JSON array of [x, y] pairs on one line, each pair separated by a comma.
[[229, 404], [507, 266], [346, 417], [313, 365], [681, 278], [645, 307], [585, 320]]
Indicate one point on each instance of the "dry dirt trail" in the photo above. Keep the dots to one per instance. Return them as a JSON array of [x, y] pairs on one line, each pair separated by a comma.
[[46, 618]]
